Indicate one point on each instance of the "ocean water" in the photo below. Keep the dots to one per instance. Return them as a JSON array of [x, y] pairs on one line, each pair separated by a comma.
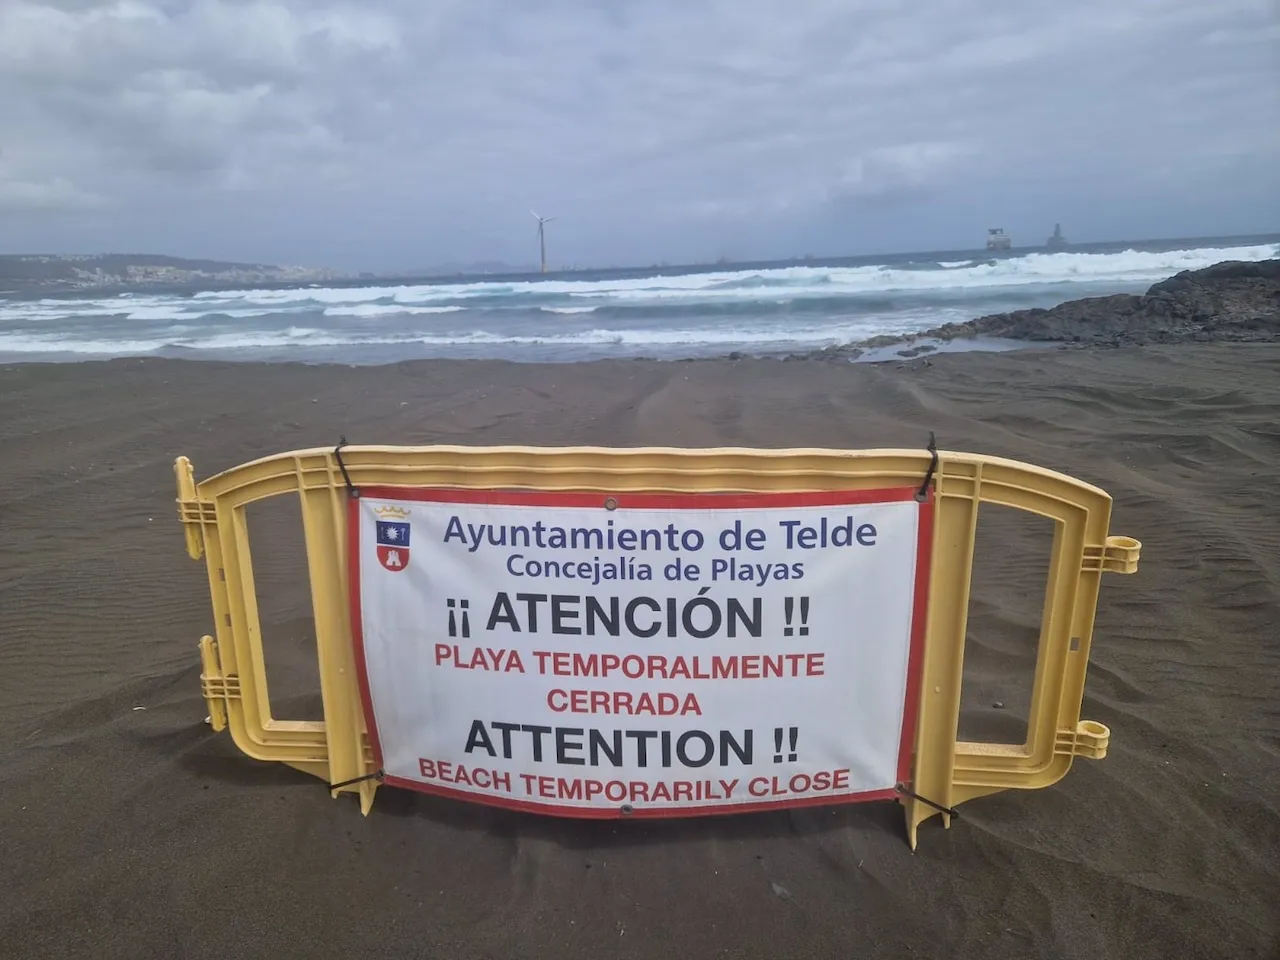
[[758, 309]]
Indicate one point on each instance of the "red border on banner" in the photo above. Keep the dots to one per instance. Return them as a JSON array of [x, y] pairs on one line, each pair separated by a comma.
[[654, 501]]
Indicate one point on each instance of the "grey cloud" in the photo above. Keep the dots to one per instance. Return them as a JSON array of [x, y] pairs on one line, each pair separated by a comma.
[[50, 195], [214, 89], [394, 133]]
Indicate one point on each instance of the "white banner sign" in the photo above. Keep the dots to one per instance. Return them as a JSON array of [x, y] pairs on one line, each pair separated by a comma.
[[648, 655]]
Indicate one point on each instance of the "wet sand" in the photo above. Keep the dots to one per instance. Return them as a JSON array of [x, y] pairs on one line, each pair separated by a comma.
[[139, 833]]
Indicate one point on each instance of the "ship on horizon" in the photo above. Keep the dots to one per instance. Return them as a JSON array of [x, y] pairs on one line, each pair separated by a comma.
[[997, 239], [1057, 241]]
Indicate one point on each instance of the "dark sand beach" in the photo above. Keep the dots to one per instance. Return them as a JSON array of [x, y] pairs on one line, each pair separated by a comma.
[[133, 831]]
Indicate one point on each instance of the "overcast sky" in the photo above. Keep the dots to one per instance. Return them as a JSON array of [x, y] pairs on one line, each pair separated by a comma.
[[393, 134]]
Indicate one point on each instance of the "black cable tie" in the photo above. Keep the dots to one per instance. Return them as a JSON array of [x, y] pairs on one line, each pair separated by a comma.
[[949, 811], [376, 775], [923, 493], [337, 452]]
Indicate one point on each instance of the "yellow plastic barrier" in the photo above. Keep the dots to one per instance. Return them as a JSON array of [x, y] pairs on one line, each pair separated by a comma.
[[945, 772]]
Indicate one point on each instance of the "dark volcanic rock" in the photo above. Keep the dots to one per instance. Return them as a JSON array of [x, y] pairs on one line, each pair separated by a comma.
[[1233, 301], [1230, 301]]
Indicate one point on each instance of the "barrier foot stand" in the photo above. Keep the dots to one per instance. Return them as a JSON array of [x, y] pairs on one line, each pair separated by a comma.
[[366, 786], [367, 790], [917, 809]]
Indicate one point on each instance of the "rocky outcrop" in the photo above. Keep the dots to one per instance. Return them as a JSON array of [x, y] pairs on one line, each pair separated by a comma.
[[1231, 301]]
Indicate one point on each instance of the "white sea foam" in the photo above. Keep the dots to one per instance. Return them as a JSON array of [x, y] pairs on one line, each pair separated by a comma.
[[158, 313], [35, 344], [384, 310]]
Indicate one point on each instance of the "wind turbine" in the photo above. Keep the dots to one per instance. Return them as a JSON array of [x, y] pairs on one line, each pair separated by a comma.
[[542, 238]]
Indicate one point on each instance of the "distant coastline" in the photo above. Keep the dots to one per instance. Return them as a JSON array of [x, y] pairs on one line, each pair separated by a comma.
[[121, 272]]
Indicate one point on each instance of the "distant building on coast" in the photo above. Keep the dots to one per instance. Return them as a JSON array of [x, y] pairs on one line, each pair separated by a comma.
[[997, 239], [1057, 241]]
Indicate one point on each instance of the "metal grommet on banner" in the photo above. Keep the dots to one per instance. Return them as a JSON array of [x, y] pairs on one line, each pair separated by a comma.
[[627, 809], [611, 503]]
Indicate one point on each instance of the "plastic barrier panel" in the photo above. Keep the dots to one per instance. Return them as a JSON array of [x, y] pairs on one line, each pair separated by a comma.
[[648, 632]]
